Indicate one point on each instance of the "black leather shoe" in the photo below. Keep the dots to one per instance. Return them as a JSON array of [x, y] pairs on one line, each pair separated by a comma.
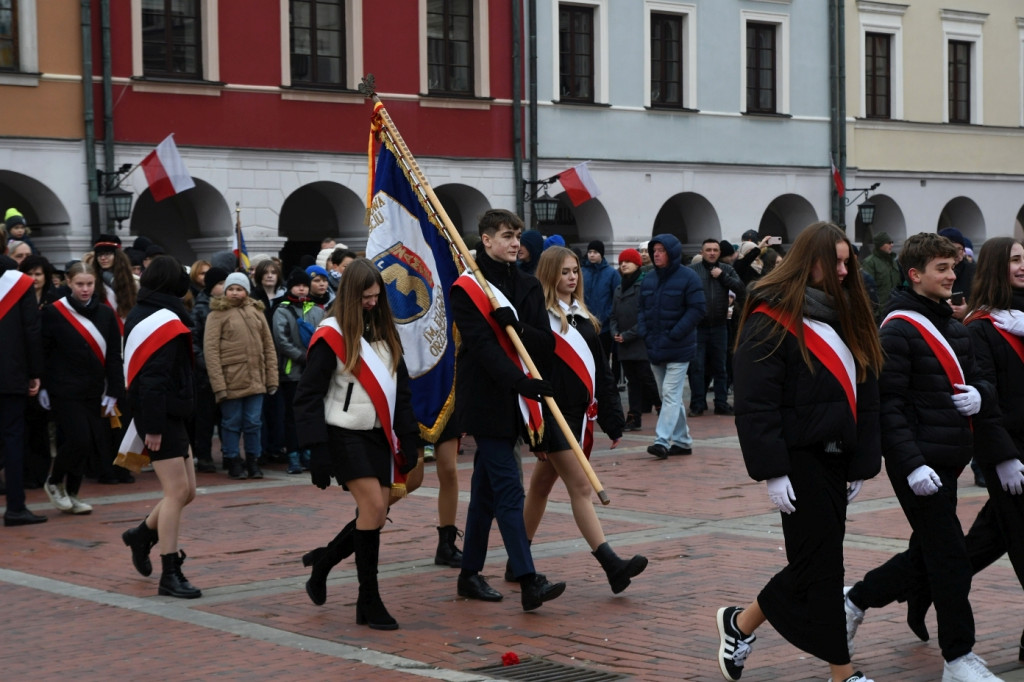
[[22, 518], [658, 450], [475, 587], [537, 590], [692, 412], [679, 450], [724, 409]]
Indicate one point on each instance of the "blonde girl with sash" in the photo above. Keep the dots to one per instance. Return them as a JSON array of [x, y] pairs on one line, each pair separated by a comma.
[[159, 371], [353, 410], [82, 384], [584, 391], [806, 369]]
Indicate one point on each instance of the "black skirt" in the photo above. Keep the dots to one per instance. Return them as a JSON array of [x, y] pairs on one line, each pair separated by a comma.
[[359, 454], [173, 442]]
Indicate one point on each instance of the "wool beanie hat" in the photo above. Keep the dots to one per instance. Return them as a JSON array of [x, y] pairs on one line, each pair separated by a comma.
[[596, 245], [237, 278], [14, 219], [881, 239], [750, 236], [954, 235], [316, 271], [631, 256], [214, 276], [727, 249], [225, 260], [554, 240], [154, 250], [297, 277]]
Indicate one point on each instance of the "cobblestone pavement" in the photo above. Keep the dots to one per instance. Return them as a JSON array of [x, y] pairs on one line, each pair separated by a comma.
[[74, 607]]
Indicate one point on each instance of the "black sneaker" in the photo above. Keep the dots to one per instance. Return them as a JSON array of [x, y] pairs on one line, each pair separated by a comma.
[[735, 646], [658, 450], [679, 450], [724, 409]]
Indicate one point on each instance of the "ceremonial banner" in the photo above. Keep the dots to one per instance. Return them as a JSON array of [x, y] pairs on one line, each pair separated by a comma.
[[418, 267]]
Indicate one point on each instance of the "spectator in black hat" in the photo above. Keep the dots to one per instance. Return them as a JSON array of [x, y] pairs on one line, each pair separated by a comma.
[[152, 251], [600, 280]]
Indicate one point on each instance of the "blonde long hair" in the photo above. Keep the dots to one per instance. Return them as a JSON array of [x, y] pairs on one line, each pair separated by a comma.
[[549, 271], [377, 324]]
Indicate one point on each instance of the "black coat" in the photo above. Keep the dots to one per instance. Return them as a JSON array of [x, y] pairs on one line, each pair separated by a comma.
[[781, 405], [623, 320], [21, 358], [163, 387], [920, 424], [998, 434], [73, 372], [716, 291], [486, 402], [571, 393]]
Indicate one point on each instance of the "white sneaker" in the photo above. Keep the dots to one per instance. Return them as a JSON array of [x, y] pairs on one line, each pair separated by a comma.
[[854, 617], [968, 668], [856, 677], [79, 507], [58, 496]]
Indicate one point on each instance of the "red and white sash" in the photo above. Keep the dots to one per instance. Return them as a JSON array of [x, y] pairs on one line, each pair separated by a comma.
[[529, 409], [111, 302], [84, 326], [936, 342], [146, 338], [1016, 342], [13, 286], [375, 378], [572, 349], [825, 344]]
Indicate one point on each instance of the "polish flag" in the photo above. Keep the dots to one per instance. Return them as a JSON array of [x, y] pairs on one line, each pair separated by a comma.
[[837, 177], [578, 184], [165, 171]]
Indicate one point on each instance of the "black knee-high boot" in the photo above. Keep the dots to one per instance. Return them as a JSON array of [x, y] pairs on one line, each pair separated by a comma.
[[140, 540], [618, 570], [323, 559], [369, 608]]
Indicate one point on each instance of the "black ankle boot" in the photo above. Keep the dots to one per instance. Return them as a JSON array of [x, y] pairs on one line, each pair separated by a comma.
[[236, 468], [140, 540], [323, 559], [173, 582], [252, 466], [370, 609], [447, 553], [633, 422], [619, 571]]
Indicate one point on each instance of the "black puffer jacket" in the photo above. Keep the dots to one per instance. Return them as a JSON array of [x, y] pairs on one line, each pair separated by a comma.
[[999, 437], [486, 403], [781, 405], [163, 386], [920, 424], [73, 372]]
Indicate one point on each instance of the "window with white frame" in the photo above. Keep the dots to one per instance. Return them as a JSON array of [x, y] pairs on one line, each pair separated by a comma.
[[321, 43], [581, 32], [764, 79], [175, 39], [963, 83], [881, 59], [670, 55], [455, 48], [19, 55]]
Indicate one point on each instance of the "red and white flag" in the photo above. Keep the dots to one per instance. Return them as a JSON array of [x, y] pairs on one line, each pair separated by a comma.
[[837, 177], [579, 184], [165, 171]]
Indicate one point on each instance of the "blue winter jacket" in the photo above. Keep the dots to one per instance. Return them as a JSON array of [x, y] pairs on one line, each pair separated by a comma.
[[671, 306], [600, 280]]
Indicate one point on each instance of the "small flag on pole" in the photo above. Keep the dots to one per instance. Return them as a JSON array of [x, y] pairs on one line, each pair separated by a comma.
[[165, 171], [240, 253], [837, 178], [579, 184]]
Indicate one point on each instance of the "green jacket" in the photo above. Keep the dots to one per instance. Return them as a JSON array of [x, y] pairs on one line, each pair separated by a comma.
[[883, 268]]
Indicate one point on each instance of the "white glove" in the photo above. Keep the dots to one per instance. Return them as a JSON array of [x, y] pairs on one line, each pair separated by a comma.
[[1009, 320], [924, 481], [853, 490], [44, 399], [1011, 476], [780, 492], [968, 402], [108, 406]]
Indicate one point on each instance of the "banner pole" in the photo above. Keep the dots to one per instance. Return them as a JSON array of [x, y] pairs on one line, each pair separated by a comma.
[[455, 239]]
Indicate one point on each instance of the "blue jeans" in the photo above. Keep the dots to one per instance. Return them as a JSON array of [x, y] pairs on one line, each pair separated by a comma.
[[712, 350], [671, 427], [241, 416]]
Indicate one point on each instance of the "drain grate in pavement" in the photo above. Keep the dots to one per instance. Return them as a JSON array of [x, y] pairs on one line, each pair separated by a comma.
[[539, 670]]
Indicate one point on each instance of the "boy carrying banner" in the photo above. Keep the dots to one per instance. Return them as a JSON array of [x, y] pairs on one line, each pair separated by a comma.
[[930, 388], [498, 403]]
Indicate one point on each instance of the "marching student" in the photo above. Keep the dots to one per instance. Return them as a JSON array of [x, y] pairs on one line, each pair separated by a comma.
[[353, 411], [159, 373], [82, 384], [114, 278], [931, 389], [584, 391], [806, 398], [498, 403]]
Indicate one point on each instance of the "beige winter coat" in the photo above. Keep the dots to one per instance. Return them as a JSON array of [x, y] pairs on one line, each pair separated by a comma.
[[239, 349]]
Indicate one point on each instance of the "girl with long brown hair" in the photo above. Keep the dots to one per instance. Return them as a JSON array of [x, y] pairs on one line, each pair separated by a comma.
[[353, 410], [806, 396], [115, 281]]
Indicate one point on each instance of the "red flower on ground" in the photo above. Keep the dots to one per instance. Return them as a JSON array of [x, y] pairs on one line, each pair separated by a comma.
[[509, 658]]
